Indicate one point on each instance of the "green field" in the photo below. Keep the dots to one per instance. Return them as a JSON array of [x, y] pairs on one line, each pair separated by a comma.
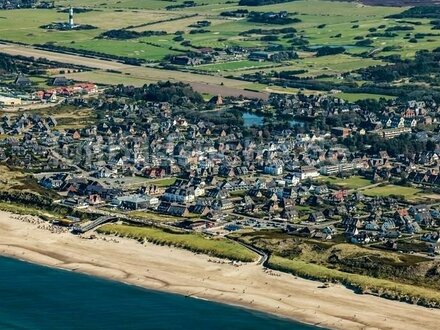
[[233, 66], [23, 26], [388, 190], [217, 247], [353, 182], [353, 97]]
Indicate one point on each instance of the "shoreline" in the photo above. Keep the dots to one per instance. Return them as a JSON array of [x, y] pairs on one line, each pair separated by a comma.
[[182, 272]]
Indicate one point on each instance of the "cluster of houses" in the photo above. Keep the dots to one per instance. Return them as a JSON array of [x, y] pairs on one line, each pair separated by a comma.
[[213, 171], [26, 123], [52, 94], [60, 87]]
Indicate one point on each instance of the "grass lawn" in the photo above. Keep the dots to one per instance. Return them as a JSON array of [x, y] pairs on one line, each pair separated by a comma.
[[353, 97], [221, 248], [353, 182], [406, 192], [165, 182]]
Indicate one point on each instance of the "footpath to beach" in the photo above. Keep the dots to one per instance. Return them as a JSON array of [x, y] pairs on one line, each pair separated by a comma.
[[183, 272]]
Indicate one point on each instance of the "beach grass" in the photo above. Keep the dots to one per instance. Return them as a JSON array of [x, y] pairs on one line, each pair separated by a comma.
[[217, 247], [361, 283]]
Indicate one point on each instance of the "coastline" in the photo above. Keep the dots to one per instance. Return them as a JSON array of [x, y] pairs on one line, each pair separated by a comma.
[[183, 272]]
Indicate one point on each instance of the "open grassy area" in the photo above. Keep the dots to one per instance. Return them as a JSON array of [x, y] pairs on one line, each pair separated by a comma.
[[165, 182], [10, 179], [217, 247], [353, 182], [353, 97], [388, 190], [361, 283]]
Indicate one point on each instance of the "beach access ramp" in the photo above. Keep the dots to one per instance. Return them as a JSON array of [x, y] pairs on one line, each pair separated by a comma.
[[92, 225]]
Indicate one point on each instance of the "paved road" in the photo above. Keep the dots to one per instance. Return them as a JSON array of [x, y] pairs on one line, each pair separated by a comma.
[[263, 255]]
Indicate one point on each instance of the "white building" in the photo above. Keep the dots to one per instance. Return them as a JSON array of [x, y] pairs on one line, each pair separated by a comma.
[[306, 172]]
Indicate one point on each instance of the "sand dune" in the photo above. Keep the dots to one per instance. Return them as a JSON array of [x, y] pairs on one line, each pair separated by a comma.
[[183, 272]]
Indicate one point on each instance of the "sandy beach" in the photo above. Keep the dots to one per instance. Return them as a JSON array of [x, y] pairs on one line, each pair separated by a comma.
[[183, 272]]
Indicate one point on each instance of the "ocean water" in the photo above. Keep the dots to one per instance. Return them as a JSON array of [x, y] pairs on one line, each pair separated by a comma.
[[37, 297]]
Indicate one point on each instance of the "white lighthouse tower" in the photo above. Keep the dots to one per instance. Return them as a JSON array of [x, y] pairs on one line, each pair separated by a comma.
[[71, 24]]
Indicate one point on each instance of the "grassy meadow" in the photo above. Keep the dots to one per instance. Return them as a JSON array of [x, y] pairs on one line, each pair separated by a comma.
[[353, 182], [408, 193]]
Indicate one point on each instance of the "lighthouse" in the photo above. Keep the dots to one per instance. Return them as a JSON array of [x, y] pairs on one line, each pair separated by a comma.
[[71, 25]]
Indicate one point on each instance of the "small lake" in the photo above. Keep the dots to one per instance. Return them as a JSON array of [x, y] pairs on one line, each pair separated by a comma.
[[251, 119]]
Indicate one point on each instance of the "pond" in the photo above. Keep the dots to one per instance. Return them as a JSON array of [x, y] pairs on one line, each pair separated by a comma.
[[251, 119]]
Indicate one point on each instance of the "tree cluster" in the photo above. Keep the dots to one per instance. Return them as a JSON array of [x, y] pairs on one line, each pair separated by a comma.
[[123, 34], [174, 93]]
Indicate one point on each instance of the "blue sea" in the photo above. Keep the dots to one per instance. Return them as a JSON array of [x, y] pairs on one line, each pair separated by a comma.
[[37, 297]]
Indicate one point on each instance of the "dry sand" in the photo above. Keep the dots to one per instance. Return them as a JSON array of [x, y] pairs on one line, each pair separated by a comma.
[[183, 272]]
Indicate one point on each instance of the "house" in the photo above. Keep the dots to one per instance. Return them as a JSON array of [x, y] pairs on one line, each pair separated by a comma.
[[433, 237], [260, 56], [291, 180], [173, 209], [60, 81], [361, 238], [316, 217], [275, 168], [289, 215], [179, 195], [22, 81], [202, 210], [185, 60], [137, 202], [329, 231], [420, 208]]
